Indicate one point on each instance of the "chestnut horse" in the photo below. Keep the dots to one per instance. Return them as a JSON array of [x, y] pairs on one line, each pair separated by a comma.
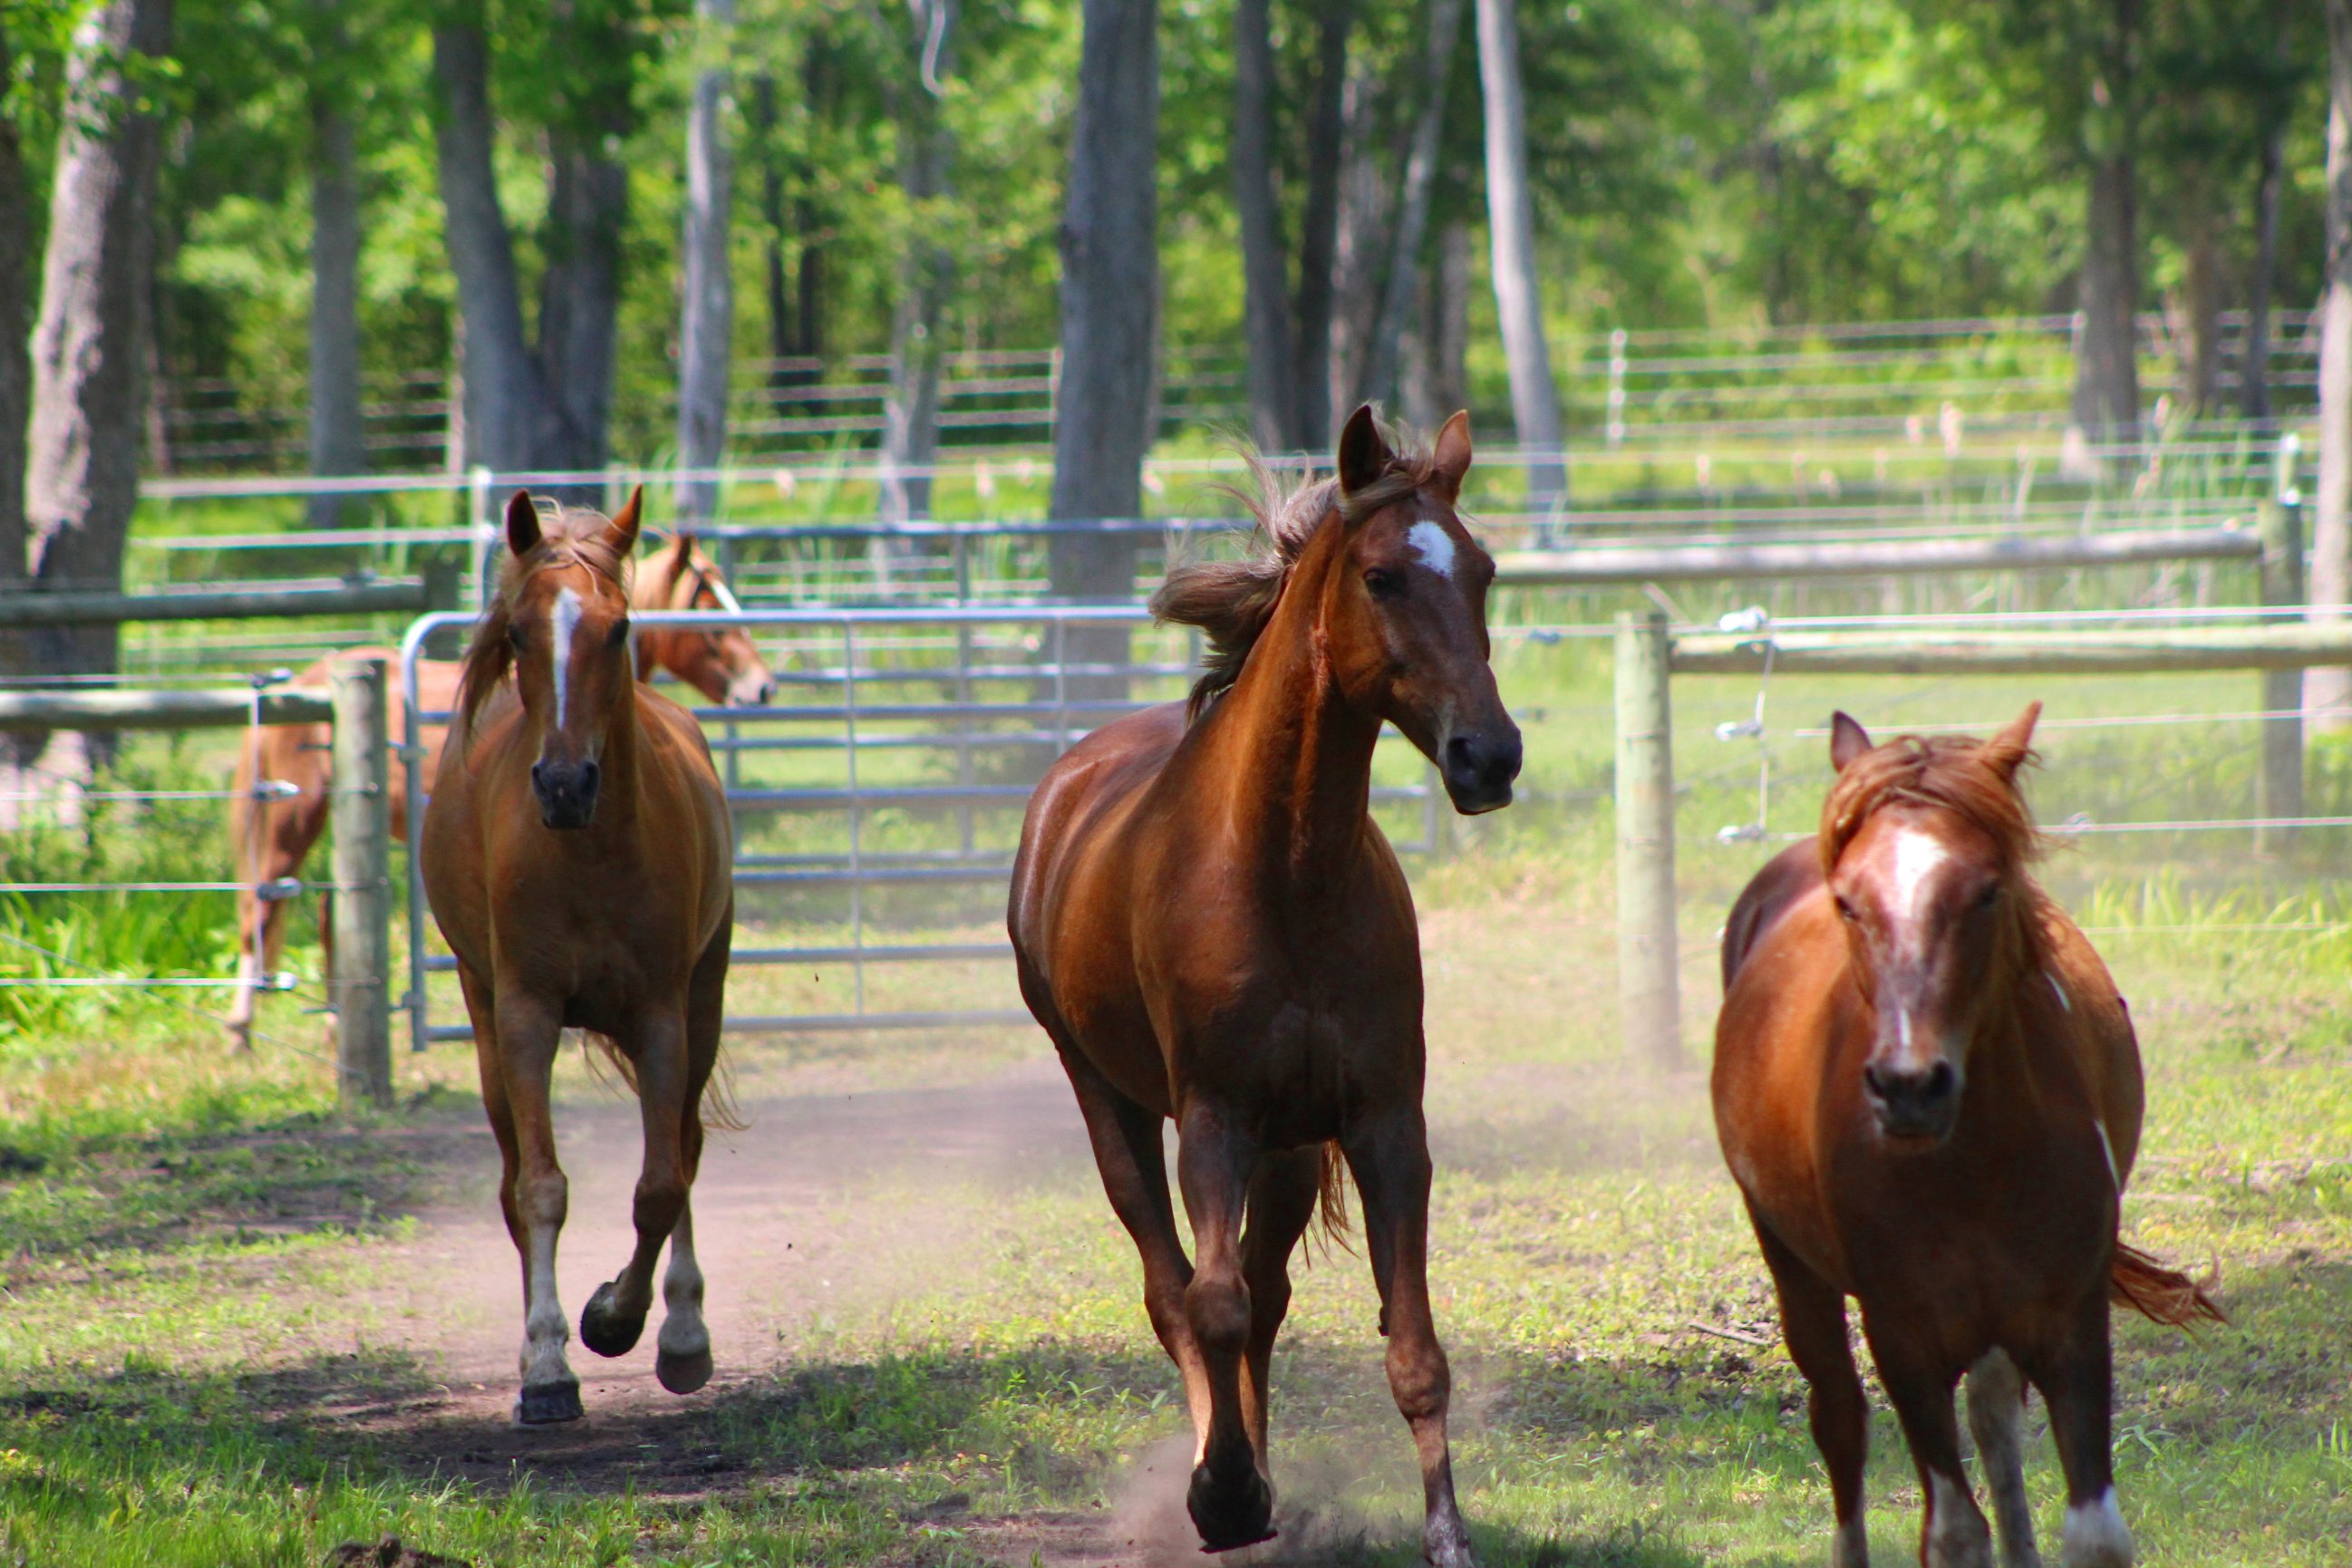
[[578, 860], [270, 839], [1930, 1093], [1212, 927]]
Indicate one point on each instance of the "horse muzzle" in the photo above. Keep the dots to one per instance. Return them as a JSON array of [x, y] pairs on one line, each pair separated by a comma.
[[1478, 767], [751, 691], [1914, 1103], [566, 792]]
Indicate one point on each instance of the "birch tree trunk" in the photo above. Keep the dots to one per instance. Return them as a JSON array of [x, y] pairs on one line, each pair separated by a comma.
[[2107, 367], [1510, 222], [2328, 693], [2254, 364], [1401, 294], [504, 389], [706, 331], [910, 409], [89, 348], [338, 428], [1110, 299], [1359, 248], [1312, 427], [1265, 315]]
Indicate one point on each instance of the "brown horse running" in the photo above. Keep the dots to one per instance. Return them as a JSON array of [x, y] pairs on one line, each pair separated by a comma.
[[577, 857], [1212, 927], [270, 839], [1930, 1093]]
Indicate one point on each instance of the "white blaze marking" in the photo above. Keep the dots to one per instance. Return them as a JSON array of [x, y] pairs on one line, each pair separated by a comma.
[[2095, 1536], [1916, 856], [1434, 545], [721, 592], [565, 619]]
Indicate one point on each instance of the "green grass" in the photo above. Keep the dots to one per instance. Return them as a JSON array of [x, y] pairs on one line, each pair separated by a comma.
[[211, 1351]]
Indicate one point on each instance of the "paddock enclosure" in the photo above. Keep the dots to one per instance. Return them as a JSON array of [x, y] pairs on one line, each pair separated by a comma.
[[250, 1319]]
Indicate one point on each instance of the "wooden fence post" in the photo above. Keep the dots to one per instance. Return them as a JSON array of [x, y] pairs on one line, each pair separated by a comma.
[[1648, 986], [2279, 787], [359, 985]]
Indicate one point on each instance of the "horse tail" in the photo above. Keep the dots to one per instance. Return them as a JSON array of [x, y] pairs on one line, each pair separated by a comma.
[[2162, 1295], [1332, 1194], [718, 1107]]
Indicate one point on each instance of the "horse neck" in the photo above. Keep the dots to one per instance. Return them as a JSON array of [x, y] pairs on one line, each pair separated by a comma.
[[1301, 755]]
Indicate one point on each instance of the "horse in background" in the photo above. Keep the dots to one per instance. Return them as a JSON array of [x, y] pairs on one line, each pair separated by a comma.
[[271, 838], [1930, 1093], [578, 859], [1211, 926]]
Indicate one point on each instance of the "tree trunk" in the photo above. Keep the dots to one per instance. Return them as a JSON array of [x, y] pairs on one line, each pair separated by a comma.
[[1274, 415], [1403, 292], [2106, 368], [89, 349], [2196, 310], [1110, 300], [910, 409], [2255, 359], [1361, 250], [1450, 322], [706, 332], [2328, 693], [1510, 221], [763, 119], [16, 366], [338, 430], [1311, 370], [587, 215], [504, 389]]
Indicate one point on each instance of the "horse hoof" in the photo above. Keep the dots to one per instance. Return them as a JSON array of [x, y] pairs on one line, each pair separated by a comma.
[[548, 1403], [603, 1330], [1230, 1513], [1447, 1547], [683, 1373]]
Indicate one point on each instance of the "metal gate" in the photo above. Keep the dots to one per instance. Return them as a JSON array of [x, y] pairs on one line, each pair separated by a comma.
[[899, 755]]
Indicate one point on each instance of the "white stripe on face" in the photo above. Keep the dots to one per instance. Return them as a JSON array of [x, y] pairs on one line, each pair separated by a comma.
[[565, 620], [1434, 545], [1916, 856]]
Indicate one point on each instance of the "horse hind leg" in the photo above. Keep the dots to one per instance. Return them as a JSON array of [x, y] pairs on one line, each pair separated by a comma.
[[616, 1315], [1230, 1500], [1813, 1322], [1282, 1198], [1391, 1163], [1996, 1417], [682, 1350]]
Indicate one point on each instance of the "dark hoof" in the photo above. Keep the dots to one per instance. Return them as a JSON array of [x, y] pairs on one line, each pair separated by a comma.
[[548, 1404], [683, 1373], [603, 1330], [1230, 1513], [1447, 1548]]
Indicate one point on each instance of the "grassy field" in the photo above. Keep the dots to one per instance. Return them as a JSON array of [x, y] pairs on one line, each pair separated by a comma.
[[242, 1329]]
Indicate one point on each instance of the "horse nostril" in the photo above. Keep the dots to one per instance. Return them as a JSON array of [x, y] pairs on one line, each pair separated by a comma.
[[1461, 754], [1938, 1085], [589, 773], [537, 779], [1874, 1081]]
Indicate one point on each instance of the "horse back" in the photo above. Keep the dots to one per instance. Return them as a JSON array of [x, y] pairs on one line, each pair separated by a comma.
[[1066, 821], [1786, 878]]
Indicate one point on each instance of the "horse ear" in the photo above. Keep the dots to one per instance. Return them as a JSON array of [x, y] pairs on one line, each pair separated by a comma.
[[621, 533], [1848, 739], [522, 524], [1364, 454], [2007, 750], [1451, 459]]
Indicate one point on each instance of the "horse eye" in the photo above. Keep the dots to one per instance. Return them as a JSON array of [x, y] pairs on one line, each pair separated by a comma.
[[1383, 582], [1990, 896], [618, 635], [1846, 911]]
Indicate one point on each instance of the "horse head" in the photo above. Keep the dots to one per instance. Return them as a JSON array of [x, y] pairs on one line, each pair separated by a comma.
[[1404, 614], [1924, 844], [723, 663], [561, 624]]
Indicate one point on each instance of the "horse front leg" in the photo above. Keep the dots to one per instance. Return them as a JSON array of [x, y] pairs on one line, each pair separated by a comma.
[[525, 1036], [1954, 1534], [616, 1315], [1229, 1498], [1390, 1158]]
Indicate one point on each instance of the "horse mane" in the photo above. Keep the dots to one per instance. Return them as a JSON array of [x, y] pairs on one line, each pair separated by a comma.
[[1945, 772], [573, 536], [1234, 600]]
